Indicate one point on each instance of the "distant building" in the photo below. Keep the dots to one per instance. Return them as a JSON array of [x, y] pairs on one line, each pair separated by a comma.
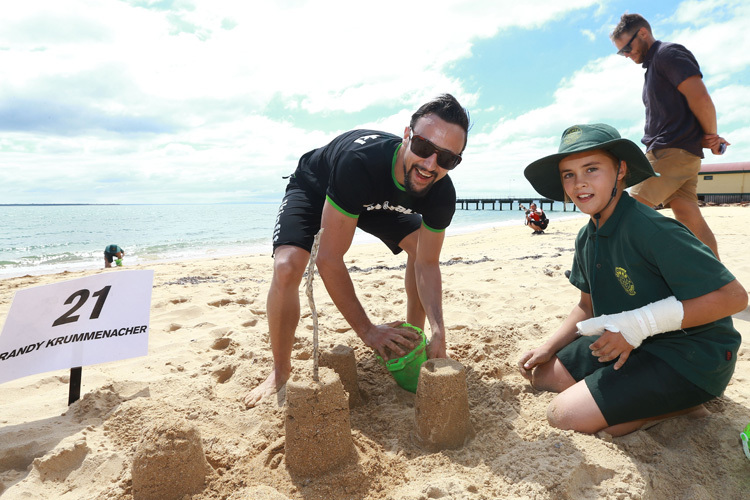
[[724, 182]]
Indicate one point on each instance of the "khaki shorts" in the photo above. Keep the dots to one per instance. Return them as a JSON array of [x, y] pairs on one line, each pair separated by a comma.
[[678, 177]]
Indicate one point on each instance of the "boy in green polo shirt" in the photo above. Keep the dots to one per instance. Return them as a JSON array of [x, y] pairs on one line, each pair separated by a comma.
[[652, 334]]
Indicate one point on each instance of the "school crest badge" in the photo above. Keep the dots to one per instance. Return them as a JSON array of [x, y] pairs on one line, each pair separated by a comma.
[[622, 276]]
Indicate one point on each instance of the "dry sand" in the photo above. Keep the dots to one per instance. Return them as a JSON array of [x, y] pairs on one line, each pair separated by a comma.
[[504, 293]]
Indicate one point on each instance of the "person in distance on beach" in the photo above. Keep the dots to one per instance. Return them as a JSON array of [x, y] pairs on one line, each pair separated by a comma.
[[536, 219], [652, 335], [112, 252], [396, 188], [680, 122]]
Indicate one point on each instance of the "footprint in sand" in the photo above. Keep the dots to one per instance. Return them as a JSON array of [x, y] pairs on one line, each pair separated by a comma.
[[220, 303], [221, 343], [222, 375], [60, 462], [585, 477]]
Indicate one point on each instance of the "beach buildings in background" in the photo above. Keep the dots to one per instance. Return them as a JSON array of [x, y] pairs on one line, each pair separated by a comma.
[[724, 182]]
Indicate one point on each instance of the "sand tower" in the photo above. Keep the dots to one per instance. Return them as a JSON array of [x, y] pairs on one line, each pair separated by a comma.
[[318, 432], [341, 359], [169, 462], [441, 408]]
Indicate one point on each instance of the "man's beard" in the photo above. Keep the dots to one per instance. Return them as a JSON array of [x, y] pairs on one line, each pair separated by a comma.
[[410, 188]]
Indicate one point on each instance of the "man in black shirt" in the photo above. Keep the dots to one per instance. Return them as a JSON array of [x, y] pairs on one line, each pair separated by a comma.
[[395, 188]]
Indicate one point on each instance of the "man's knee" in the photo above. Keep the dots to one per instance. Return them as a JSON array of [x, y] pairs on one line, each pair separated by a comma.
[[289, 266]]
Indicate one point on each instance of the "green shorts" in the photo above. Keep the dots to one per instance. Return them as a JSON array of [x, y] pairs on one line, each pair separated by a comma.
[[645, 386]]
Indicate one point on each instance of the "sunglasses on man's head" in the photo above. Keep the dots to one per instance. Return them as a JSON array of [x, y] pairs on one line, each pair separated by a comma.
[[627, 49], [424, 149]]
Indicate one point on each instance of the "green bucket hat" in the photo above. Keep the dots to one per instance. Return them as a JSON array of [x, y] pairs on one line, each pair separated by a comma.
[[544, 175]]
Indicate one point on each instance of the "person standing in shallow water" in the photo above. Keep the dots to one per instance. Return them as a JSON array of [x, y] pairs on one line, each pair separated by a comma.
[[396, 188], [652, 335]]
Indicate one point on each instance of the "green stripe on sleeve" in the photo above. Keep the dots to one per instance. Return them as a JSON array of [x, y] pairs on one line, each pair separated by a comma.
[[333, 203], [431, 229]]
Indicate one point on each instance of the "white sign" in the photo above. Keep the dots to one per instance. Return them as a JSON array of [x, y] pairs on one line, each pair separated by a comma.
[[74, 323]]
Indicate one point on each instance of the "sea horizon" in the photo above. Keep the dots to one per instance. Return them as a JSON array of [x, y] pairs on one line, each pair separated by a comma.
[[52, 238]]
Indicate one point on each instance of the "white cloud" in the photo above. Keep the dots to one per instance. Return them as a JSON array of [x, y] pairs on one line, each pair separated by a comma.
[[604, 90], [589, 34], [104, 100], [609, 90], [144, 101]]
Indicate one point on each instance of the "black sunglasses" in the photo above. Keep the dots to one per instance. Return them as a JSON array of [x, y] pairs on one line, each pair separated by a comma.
[[627, 49], [424, 149]]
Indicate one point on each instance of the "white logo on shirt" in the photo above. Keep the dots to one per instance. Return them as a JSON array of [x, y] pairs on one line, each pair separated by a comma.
[[364, 138], [387, 206]]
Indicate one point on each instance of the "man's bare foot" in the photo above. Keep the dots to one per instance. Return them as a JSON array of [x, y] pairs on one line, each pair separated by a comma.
[[267, 388]]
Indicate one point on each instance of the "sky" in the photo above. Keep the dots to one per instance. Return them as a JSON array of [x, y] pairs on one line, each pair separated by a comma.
[[214, 101]]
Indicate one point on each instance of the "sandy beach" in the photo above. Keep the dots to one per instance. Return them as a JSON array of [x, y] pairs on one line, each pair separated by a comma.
[[504, 292]]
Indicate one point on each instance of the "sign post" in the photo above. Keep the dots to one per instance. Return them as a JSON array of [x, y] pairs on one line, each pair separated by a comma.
[[74, 389], [71, 324]]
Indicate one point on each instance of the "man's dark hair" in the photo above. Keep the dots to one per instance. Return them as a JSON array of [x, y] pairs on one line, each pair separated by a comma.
[[629, 23], [448, 109]]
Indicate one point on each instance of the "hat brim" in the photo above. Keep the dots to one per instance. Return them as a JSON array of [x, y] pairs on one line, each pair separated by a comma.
[[544, 174]]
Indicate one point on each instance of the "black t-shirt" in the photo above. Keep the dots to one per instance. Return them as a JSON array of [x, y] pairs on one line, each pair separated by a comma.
[[356, 174], [670, 123]]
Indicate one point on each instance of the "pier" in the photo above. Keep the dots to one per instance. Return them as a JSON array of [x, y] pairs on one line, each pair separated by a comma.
[[497, 203]]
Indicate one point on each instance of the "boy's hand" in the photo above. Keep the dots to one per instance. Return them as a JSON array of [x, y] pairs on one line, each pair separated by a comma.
[[610, 346], [531, 359]]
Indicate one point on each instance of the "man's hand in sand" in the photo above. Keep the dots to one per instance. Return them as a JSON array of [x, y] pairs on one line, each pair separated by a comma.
[[391, 341], [436, 349], [531, 359]]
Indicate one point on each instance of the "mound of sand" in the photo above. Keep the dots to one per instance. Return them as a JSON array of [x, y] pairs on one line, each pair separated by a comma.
[[504, 293]]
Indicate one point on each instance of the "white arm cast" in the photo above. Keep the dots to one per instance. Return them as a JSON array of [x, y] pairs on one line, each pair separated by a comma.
[[658, 317]]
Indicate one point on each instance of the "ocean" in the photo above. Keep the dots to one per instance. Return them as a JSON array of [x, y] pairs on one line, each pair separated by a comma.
[[49, 239]]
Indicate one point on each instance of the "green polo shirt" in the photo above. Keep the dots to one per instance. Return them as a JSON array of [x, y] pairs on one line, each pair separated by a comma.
[[639, 257]]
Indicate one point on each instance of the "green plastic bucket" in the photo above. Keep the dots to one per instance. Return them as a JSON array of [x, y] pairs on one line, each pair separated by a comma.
[[118, 262], [405, 370]]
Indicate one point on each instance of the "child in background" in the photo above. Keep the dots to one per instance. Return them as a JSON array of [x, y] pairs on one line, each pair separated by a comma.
[[652, 335], [111, 253]]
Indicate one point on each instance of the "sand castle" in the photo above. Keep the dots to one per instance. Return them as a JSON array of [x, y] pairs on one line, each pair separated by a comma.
[[318, 432], [169, 462]]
